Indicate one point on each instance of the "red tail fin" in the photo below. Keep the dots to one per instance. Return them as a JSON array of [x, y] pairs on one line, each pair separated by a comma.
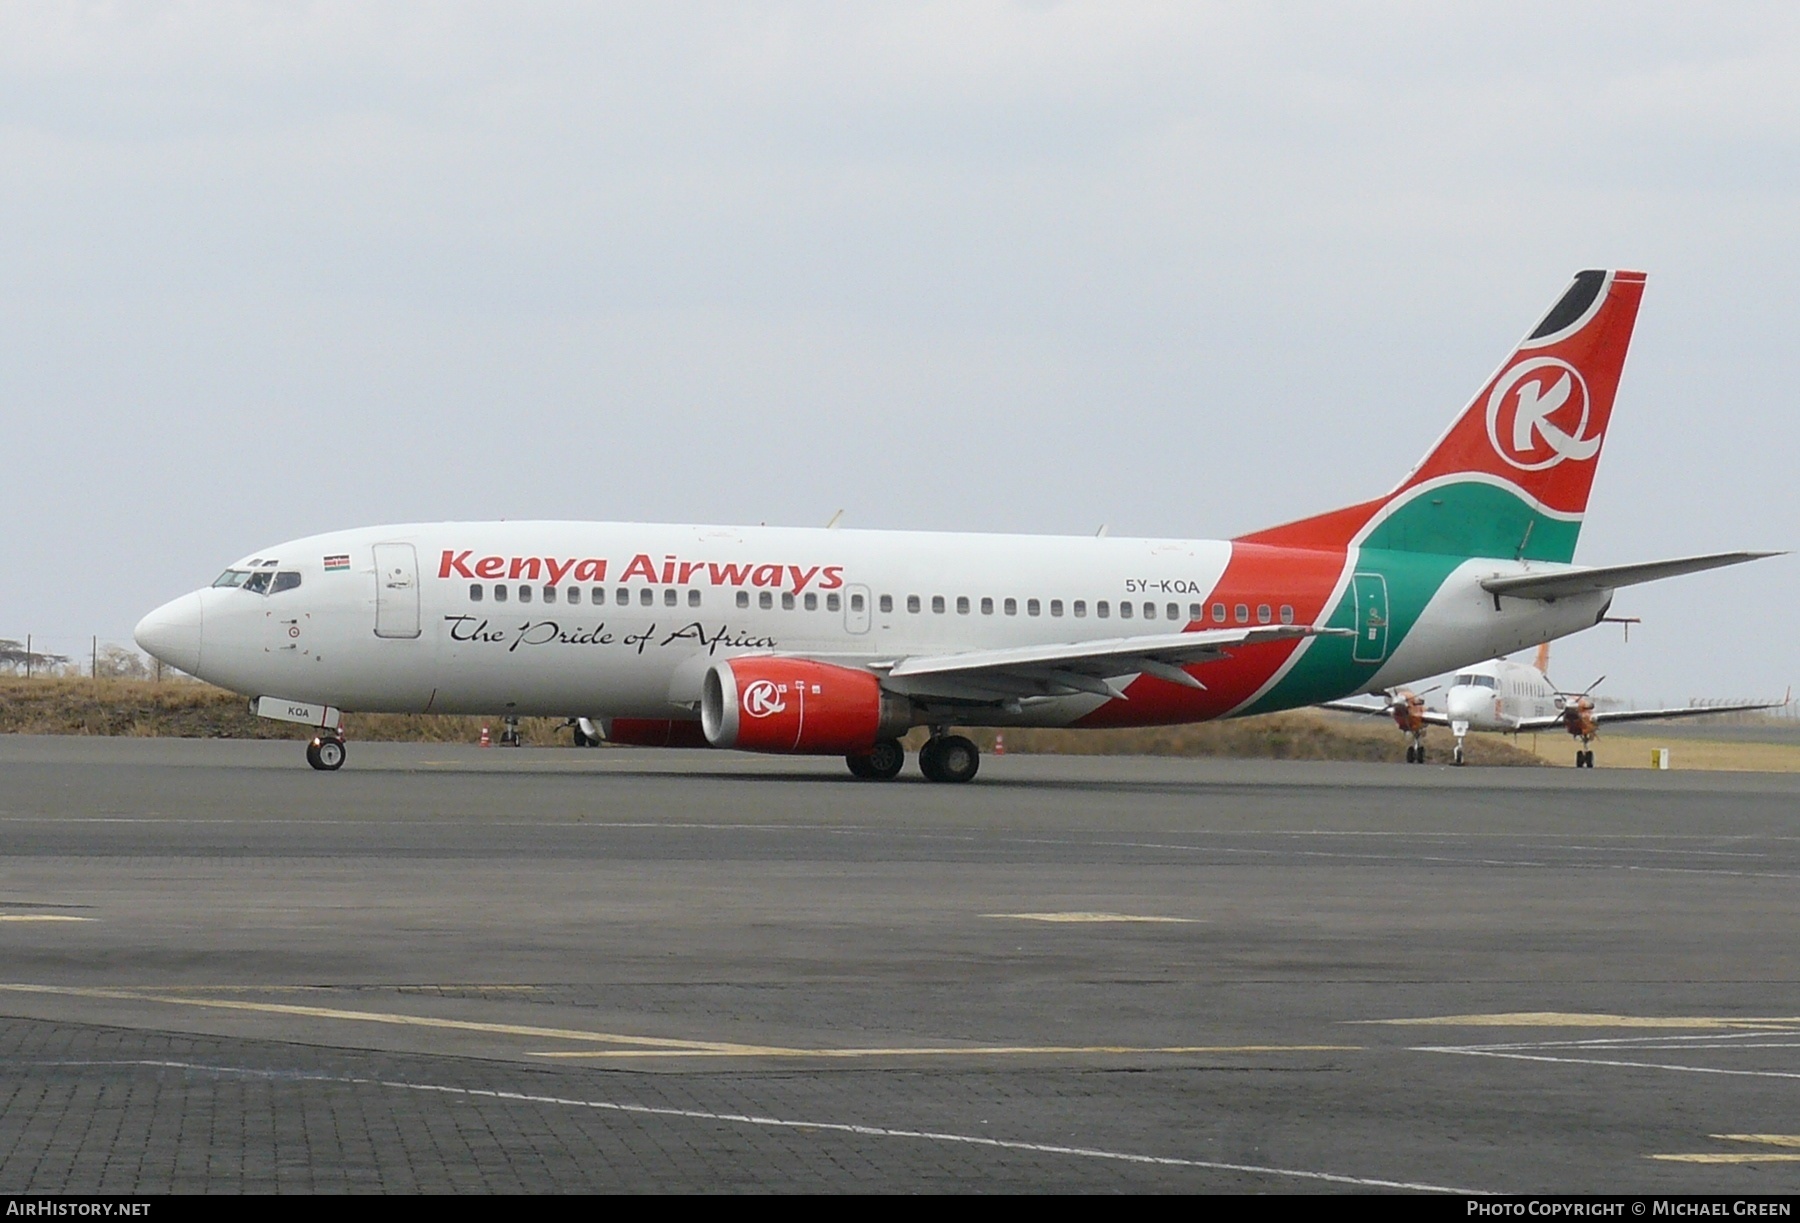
[[1531, 439]]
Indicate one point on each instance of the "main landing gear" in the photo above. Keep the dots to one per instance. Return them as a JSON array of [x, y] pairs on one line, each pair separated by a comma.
[[1415, 749], [882, 762], [1584, 758], [948, 758], [326, 752]]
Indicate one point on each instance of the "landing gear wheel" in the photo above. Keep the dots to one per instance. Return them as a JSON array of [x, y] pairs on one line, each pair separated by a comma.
[[886, 759], [1456, 755], [1584, 759], [1412, 754], [950, 758], [326, 753]]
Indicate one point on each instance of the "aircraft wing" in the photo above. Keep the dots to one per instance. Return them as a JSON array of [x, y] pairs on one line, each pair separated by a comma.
[[1566, 582], [1431, 716], [1087, 666], [1649, 715]]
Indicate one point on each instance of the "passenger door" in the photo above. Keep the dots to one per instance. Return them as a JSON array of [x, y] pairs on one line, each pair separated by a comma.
[[396, 591]]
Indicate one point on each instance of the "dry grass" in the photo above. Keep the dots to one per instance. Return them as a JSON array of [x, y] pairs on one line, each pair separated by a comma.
[[1702, 755], [78, 706]]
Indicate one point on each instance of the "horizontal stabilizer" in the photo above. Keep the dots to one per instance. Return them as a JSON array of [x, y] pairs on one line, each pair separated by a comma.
[[1569, 582]]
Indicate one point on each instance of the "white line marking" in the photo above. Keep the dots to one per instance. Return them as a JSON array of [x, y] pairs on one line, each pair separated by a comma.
[[834, 1127], [1595, 1061]]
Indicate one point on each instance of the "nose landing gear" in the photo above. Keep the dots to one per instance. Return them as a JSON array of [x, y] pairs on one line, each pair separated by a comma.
[[327, 752]]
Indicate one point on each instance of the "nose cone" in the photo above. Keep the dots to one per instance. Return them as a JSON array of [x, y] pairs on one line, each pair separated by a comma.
[[1463, 704], [172, 633]]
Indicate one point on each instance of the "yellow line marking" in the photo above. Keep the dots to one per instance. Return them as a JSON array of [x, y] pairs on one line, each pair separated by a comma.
[[1088, 917], [42, 917], [972, 1051], [1774, 1140], [1733, 1158], [1567, 1019], [634, 1046]]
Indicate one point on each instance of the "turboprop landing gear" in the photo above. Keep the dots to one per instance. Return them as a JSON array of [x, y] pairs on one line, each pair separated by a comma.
[[326, 753], [949, 758], [1456, 754], [882, 762], [1415, 749], [1584, 758]]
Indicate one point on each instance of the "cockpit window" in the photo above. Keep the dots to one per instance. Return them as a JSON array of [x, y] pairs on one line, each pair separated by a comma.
[[259, 582], [287, 579], [231, 577], [1475, 681]]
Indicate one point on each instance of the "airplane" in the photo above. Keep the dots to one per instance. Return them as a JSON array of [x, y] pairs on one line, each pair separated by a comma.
[[836, 642], [1510, 697]]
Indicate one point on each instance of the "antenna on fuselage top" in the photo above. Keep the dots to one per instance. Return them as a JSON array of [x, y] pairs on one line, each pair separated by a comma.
[[835, 519], [1101, 533]]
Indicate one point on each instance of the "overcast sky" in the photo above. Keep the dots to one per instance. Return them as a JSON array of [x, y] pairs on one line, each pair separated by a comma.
[[1185, 269]]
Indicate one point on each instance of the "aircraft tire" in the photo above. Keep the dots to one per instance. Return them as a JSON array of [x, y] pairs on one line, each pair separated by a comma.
[[886, 759], [1412, 754], [326, 753], [859, 766], [928, 760], [1456, 755], [955, 759]]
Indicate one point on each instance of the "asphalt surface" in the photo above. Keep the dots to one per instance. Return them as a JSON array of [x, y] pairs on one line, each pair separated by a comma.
[[452, 969]]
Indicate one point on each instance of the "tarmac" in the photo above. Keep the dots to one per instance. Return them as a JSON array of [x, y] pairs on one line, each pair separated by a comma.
[[449, 969]]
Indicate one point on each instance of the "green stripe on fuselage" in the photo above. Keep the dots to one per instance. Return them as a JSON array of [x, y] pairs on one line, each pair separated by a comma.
[[1414, 548]]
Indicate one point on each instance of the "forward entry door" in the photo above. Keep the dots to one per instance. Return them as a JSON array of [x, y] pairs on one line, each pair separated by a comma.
[[396, 591]]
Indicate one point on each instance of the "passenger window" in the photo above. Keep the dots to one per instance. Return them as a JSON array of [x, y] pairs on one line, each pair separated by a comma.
[[1124, 611], [962, 605], [574, 594], [549, 594], [1287, 613], [812, 601], [1174, 610], [765, 600], [787, 600], [475, 593], [1241, 613], [1149, 611], [987, 607], [599, 596], [743, 598], [1080, 609], [1102, 609], [1264, 613], [833, 603], [1218, 613], [671, 596], [499, 594], [259, 582], [937, 605], [287, 579], [646, 597], [887, 603], [912, 604], [693, 598], [1011, 607], [622, 597], [1055, 607], [524, 594]]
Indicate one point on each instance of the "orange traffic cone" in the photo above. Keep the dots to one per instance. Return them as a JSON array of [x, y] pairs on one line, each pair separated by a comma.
[[485, 741], [999, 745]]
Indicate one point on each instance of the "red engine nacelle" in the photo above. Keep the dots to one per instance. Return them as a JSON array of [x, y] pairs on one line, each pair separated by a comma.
[[793, 705]]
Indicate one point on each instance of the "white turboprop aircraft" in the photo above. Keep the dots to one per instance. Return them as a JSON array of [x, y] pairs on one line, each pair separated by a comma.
[[1511, 697], [836, 642]]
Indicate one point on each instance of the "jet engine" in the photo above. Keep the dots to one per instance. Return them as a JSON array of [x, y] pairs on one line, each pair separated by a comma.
[[796, 705]]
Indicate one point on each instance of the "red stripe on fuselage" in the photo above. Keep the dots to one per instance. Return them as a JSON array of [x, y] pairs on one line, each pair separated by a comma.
[[1256, 574]]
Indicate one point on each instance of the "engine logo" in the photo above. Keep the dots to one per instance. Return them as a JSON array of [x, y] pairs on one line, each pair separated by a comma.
[[762, 699], [1537, 415]]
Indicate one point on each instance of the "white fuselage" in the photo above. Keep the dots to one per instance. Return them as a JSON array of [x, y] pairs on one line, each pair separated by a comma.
[[622, 620], [1499, 695]]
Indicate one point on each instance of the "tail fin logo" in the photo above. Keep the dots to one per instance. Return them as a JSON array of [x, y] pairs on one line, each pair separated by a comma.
[[1537, 415]]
